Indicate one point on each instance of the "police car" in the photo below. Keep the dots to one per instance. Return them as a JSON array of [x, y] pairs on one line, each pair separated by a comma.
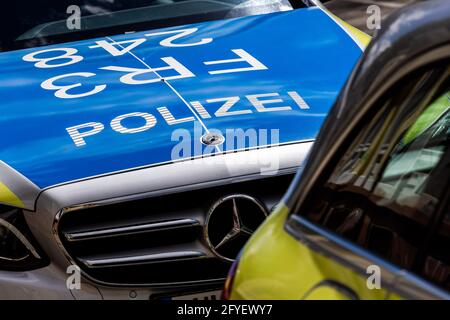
[[368, 217], [144, 141]]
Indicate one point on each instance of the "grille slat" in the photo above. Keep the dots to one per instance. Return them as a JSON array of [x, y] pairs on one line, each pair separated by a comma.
[[142, 259], [131, 229]]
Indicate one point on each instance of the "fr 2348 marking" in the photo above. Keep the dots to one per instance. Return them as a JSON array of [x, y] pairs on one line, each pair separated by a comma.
[[134, 76]]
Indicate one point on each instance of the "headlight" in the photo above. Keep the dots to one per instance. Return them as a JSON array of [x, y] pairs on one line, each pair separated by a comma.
[[18, 249]]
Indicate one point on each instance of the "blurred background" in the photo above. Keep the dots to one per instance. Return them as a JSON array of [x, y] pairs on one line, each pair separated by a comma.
[[355, 11]]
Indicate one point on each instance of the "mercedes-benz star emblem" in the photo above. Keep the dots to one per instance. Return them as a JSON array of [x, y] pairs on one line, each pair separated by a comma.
[[230, 222]]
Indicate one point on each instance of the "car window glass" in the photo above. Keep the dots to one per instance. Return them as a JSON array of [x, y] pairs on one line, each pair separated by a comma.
[[384, 190], [436, 265], [411, 172]]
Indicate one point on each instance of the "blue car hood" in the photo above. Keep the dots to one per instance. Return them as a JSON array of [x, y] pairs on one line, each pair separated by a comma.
[[81, 109]]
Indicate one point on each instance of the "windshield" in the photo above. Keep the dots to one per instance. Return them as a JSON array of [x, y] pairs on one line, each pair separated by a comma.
[[41, 22]]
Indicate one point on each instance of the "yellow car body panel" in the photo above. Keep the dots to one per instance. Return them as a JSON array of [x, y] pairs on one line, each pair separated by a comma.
[[362, 37], [290, 270], [8, 197]]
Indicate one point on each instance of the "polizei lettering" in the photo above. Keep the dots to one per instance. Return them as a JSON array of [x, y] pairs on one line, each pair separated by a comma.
[[217, 107]]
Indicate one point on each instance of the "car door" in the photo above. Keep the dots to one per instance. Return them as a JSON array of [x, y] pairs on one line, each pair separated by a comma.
[[376, 207]]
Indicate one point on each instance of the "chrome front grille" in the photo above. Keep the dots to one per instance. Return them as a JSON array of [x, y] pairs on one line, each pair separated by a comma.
[[156, 241]]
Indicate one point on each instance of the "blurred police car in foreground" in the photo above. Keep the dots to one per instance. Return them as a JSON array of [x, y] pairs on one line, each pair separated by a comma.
[[369, 216], [144, 141]]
